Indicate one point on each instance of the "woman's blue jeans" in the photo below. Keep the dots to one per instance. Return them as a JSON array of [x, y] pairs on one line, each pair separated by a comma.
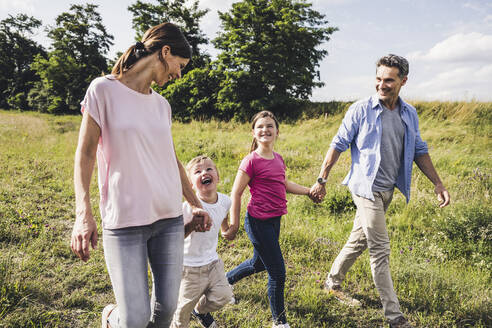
[[267, 255], [127, 252]]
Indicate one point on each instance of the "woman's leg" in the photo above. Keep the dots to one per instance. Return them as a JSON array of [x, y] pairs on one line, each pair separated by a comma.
[[125, 251], [250, 266], [266, 234], [166, 260]]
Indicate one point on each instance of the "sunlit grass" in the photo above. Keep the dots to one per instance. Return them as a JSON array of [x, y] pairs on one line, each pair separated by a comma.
[[441, 259]]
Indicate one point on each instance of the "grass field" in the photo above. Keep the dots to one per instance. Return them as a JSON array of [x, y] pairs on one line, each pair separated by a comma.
[[441, 259]]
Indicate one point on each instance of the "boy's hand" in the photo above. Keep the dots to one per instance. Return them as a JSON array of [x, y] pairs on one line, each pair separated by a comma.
[[230, 234], [201, 220]]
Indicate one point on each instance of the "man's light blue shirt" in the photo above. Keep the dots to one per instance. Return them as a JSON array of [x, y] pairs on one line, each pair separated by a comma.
[[361, 130]]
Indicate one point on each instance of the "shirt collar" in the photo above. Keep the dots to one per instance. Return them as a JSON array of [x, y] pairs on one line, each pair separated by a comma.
[[375, 102]]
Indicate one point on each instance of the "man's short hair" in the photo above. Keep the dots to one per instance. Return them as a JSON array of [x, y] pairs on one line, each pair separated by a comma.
[[394, 61]]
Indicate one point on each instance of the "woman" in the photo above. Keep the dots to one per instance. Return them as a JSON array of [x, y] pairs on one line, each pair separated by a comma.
[[128, 127]]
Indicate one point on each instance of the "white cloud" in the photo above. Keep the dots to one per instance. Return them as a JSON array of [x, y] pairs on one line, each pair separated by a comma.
[[9, 6], [449, 82], [461, 47]]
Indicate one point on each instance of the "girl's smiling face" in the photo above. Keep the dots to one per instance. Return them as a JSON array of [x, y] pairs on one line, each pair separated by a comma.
[[265, 130]]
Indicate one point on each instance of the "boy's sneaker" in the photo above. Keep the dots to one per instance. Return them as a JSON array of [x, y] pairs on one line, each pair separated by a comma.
[[400, 322], [281, 325], [205, 319], [233, 299], [341, 296], [105, 315]]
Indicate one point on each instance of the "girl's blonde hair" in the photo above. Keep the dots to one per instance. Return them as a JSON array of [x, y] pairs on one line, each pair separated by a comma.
[[262, 114], [165, 34]]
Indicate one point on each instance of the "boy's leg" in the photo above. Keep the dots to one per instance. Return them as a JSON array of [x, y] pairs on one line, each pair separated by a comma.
[[166, 261], [193, 285], [250, 266], [356, 244], [219, 292], [125, 252]]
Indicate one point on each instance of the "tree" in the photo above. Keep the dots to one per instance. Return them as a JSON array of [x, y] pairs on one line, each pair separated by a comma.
[[17, 52], [146, 15], [270, 55], [80, 43]]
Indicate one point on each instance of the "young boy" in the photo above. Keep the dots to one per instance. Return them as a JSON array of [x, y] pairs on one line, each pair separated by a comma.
[[204, 287]]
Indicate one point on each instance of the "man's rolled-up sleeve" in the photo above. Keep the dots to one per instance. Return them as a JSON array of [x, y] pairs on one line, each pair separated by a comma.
[[347, 130]]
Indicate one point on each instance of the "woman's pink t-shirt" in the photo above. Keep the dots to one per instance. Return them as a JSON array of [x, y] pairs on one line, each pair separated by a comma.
[[138, 176], [266, 184]]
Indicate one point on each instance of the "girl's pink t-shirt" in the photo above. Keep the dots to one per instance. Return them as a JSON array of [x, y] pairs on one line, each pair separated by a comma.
[[138, 175], [266, 184]]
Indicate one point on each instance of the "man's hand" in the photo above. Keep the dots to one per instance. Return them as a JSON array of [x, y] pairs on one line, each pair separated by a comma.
[[442, 195], [202, 220], [231, 232], [317, 192], [84, 232]]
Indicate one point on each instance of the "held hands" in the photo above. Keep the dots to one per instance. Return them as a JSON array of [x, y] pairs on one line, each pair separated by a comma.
[[442, 195], [84, 232], [317, 192], [230, 233], [201, 220]]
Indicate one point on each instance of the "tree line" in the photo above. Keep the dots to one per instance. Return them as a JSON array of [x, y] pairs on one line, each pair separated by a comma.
[[268, 58]]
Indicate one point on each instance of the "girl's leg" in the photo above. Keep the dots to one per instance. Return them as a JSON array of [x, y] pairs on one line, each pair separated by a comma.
[[125, 251], [165, 251], [266, 243], [250, 266]]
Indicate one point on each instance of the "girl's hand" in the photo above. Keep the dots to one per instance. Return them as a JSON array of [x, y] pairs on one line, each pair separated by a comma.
[[317, 193], [230, 234]]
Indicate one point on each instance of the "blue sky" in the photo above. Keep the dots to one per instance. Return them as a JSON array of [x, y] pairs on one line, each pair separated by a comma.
[[447, 42]]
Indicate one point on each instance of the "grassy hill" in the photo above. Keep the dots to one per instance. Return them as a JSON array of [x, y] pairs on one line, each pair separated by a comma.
[[441, 259]]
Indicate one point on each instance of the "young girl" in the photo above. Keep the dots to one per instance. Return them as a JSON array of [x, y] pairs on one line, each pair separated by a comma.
[[264, 171], [141, 182]]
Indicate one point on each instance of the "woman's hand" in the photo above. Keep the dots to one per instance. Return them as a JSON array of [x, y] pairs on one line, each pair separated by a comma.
[[84, 233], [202, 219]]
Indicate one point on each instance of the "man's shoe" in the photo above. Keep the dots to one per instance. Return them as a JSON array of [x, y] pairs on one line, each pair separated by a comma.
[[205, 319], [342, 297], [400, 322], [105, 315]]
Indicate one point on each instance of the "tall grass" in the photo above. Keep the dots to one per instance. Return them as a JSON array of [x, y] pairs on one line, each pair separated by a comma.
[[441, 259]]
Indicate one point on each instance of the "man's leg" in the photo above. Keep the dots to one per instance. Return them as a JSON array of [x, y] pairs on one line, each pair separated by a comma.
[[372, 218], [354, 247]]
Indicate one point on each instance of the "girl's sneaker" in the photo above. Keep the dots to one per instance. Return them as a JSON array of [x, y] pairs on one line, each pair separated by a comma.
[[281, 325], [233, 299], [205, 319], [105, 315]]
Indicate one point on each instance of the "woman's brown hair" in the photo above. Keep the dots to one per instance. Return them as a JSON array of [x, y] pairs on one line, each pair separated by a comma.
[[262, 114], [165, 34]]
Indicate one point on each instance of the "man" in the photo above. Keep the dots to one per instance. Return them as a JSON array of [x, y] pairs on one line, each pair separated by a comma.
[[383, 134]]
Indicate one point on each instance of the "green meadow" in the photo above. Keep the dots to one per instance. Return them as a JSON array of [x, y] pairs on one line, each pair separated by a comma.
[[441, 259]]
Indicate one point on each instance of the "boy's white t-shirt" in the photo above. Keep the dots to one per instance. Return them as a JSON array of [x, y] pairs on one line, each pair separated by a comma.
[[138, 175], [200, 248]]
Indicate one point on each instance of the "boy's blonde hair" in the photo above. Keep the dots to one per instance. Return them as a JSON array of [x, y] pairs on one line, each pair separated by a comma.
[[199, 159]]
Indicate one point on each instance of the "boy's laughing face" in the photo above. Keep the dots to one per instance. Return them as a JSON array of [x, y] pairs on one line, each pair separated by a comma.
[[204, 176]]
